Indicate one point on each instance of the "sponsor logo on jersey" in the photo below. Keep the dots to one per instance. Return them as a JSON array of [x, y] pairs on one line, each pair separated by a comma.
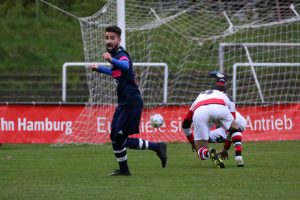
[[116, 73]]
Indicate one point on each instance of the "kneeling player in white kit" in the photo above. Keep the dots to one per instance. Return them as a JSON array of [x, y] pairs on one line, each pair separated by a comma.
[[219, 135], [213, 107]]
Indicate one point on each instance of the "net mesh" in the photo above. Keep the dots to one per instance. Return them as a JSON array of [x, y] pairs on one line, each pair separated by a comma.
[[186, 35]]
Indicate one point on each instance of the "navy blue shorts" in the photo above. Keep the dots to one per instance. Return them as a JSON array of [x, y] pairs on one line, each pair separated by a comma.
[[127, 119]]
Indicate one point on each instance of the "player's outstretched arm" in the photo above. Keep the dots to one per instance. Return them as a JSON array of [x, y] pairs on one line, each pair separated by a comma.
[[101, 69], [186, 127], [224, 152], [190, 137]]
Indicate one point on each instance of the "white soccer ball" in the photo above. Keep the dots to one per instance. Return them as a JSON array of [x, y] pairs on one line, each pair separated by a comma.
[[156, 120]]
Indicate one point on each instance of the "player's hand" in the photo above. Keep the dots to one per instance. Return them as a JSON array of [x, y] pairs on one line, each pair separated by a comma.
[[193, 147], [107, 56], [93, 67], [223, 154]]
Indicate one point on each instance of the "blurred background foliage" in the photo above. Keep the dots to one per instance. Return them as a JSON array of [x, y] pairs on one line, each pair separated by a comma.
[[36, 37]]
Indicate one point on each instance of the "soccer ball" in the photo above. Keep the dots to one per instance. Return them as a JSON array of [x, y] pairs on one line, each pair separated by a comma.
[[156, 120]]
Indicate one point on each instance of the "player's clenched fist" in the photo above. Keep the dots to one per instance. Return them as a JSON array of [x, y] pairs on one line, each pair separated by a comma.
[[94, 67], [107, 56]]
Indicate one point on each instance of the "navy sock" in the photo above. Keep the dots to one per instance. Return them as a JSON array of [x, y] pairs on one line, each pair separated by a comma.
[[121, 157], [141, 144], [123, 166], [153, 146]]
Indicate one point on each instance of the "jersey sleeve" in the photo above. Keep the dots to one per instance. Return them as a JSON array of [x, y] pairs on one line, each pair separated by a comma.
[[231, 107], [121, 64], [188, 119], [104, 70], [121, 61], [186, 125]]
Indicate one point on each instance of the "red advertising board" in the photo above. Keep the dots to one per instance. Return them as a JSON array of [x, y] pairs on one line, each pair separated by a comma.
[[276, 122], [48, 123], [35, 123]]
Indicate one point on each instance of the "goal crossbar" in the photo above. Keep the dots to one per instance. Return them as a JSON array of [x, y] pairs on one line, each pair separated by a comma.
[[236, 65], [222, 46], [135, 64]]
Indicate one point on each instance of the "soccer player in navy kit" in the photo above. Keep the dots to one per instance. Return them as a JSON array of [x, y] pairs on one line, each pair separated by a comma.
[[127, 115]]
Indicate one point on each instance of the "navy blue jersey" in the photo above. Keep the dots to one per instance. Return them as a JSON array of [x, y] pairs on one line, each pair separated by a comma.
[[127, 89]]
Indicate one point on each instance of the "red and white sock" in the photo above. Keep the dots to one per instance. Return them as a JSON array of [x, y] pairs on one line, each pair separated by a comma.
[[203, 153], [237, 142]]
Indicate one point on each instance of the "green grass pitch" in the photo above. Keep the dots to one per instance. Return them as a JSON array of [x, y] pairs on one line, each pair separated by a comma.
[[42, 172]]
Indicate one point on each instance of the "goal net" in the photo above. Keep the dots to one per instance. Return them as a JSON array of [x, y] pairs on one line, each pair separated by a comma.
[[191, 37]]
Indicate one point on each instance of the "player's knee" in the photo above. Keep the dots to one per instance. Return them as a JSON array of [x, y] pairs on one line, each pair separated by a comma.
[[231, 131], [236, 135], [119, 138]]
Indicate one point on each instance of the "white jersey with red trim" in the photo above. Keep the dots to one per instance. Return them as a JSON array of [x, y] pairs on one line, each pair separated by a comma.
[[210, 107], [213, 97]]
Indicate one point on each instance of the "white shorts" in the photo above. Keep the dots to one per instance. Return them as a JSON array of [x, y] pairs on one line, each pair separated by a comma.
[[205, 116], [217, 135]]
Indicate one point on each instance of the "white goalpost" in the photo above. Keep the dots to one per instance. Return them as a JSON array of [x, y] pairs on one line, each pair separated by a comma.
[[281, 91], [256, 43], [264, 48], [135, 65]]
